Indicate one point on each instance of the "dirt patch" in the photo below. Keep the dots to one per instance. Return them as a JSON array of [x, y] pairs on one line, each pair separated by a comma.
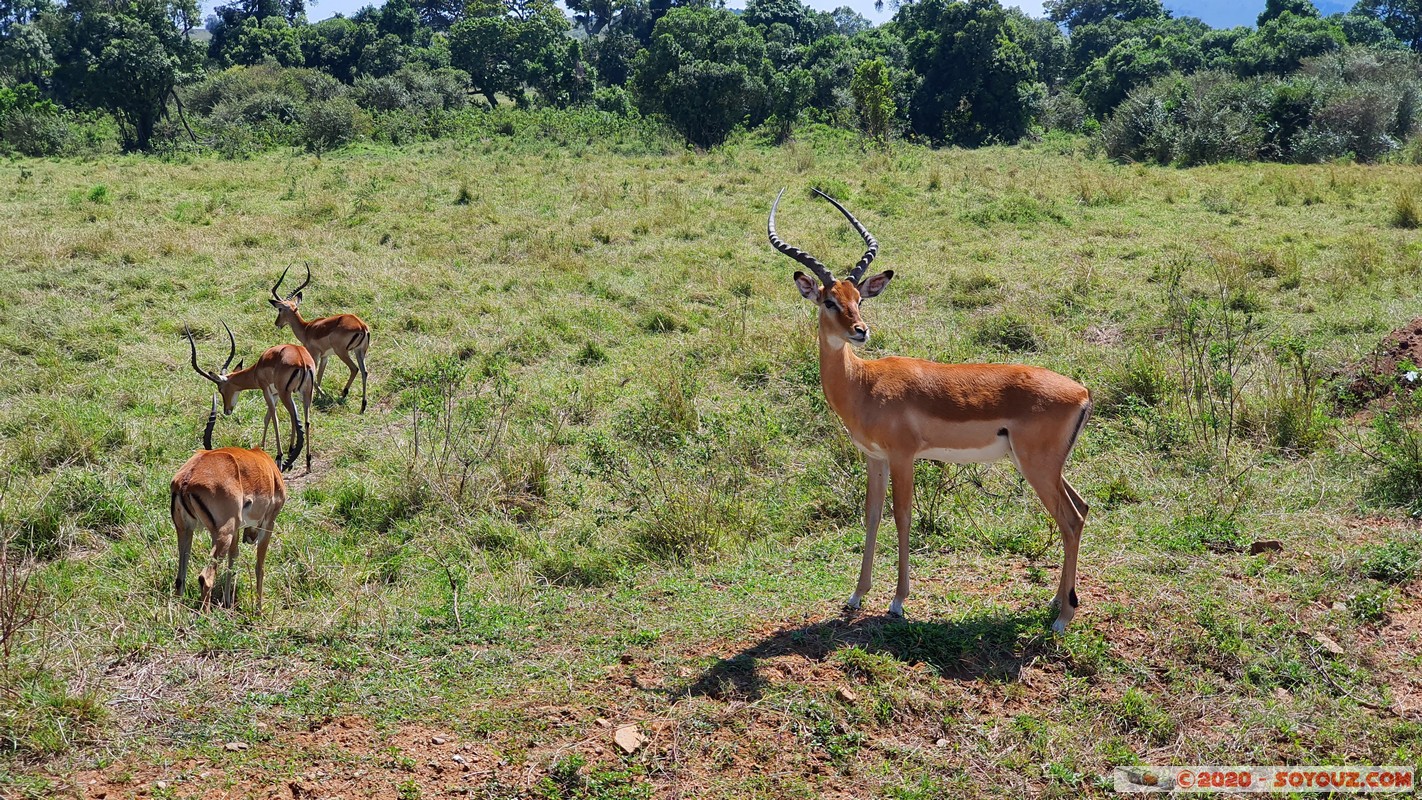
[[1400, 645], [345, 757], [1379, 375], [147, 691]]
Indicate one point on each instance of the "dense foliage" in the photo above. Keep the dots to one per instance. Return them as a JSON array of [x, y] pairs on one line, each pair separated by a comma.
[[84, 74]]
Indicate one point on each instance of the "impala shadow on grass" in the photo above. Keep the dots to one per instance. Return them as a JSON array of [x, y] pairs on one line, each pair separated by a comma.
[[995, 645]]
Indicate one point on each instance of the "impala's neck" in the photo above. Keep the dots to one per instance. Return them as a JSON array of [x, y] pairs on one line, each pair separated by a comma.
[[244, 379], [298, 325], [840, 370]]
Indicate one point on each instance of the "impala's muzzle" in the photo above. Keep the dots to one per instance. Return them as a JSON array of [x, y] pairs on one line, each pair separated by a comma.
[[859, 334]]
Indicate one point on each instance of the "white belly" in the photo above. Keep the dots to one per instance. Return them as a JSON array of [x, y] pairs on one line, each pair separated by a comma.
[[980, 455]]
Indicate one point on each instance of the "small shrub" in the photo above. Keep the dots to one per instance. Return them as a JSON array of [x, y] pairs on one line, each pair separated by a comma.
[[1371, 603], [1140, 711], [614, 100], [1396, 562], [1141, 381], [1396, 451], [36, 134], [329, 124]]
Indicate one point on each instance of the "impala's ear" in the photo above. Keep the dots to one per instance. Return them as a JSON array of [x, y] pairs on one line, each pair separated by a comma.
[[874, 284], [296, 297], [239, 365], [275, 303], [808, 288]]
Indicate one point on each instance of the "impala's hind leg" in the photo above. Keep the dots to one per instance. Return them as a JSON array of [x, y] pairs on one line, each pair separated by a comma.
[[184, 527], [1069, 511], [360, 359], [224, 545], [901, 472]]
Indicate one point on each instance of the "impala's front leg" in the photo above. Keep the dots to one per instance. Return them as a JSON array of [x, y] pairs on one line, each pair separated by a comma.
[[873, 513], [902, 473]]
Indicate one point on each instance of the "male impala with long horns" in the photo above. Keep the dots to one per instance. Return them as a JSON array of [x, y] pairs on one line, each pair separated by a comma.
[[898, 410], [281, 373], [345, 335]]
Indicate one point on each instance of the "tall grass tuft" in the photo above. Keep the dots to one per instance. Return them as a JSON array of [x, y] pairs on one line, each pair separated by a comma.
[[1406, 210]]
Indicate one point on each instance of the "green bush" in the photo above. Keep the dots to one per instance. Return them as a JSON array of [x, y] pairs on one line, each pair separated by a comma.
[[36, 134], [329, 124]]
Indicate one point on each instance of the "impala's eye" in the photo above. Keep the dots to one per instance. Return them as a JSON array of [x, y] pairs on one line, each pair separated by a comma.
[[830, 306]]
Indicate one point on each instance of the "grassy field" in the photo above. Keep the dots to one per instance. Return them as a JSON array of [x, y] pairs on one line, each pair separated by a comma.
[[598, 484]]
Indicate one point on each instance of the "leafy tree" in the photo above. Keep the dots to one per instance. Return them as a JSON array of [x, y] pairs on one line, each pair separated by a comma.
[[1280, 45], [704, 72], [1402, 17], [787, 94], [850, 22], [805, 23], [1274, 8], [334, 46], [1130, 64], [257, 40], [25, 55], [1078, 13], [613, 54], [229, 20], [874, 98], [1044, 43], [399, 19], [125, 59], [978, 84], [507, 46], [439, 15], [1367, 31]]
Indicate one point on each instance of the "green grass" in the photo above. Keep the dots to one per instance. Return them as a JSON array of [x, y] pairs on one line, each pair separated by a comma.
[[598, 479]]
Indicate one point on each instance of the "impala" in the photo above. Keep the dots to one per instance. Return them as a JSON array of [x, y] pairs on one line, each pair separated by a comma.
[[225, 490], [898, 410], [345, 335], [279, 372]]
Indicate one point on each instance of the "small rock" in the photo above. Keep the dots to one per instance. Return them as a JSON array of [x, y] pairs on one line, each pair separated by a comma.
[[1328, 644], [629, 739], [1282, 693], [627, 658], [941, 743], [845, 695], [438, 740], [602, 723], [261, 726], [160, 785], [1339, 606], [1266, 546], [458, 758]]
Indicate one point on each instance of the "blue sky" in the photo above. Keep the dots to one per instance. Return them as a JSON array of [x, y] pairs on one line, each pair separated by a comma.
[[1219, 13]]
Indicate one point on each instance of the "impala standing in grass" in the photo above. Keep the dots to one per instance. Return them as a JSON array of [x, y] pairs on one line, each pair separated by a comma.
[[280, 372], [344, 335], [898, 410], [225, 490]]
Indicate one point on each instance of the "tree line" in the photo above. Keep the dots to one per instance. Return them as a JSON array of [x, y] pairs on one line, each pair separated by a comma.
[[1146, 84]]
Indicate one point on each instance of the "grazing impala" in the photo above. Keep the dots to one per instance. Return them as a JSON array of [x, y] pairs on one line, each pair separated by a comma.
[[279, 372], [898, 410], [225, 490], [345, 335]]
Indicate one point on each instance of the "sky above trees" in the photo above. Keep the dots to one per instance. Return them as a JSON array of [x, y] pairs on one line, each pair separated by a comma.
[[1218, 13]]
